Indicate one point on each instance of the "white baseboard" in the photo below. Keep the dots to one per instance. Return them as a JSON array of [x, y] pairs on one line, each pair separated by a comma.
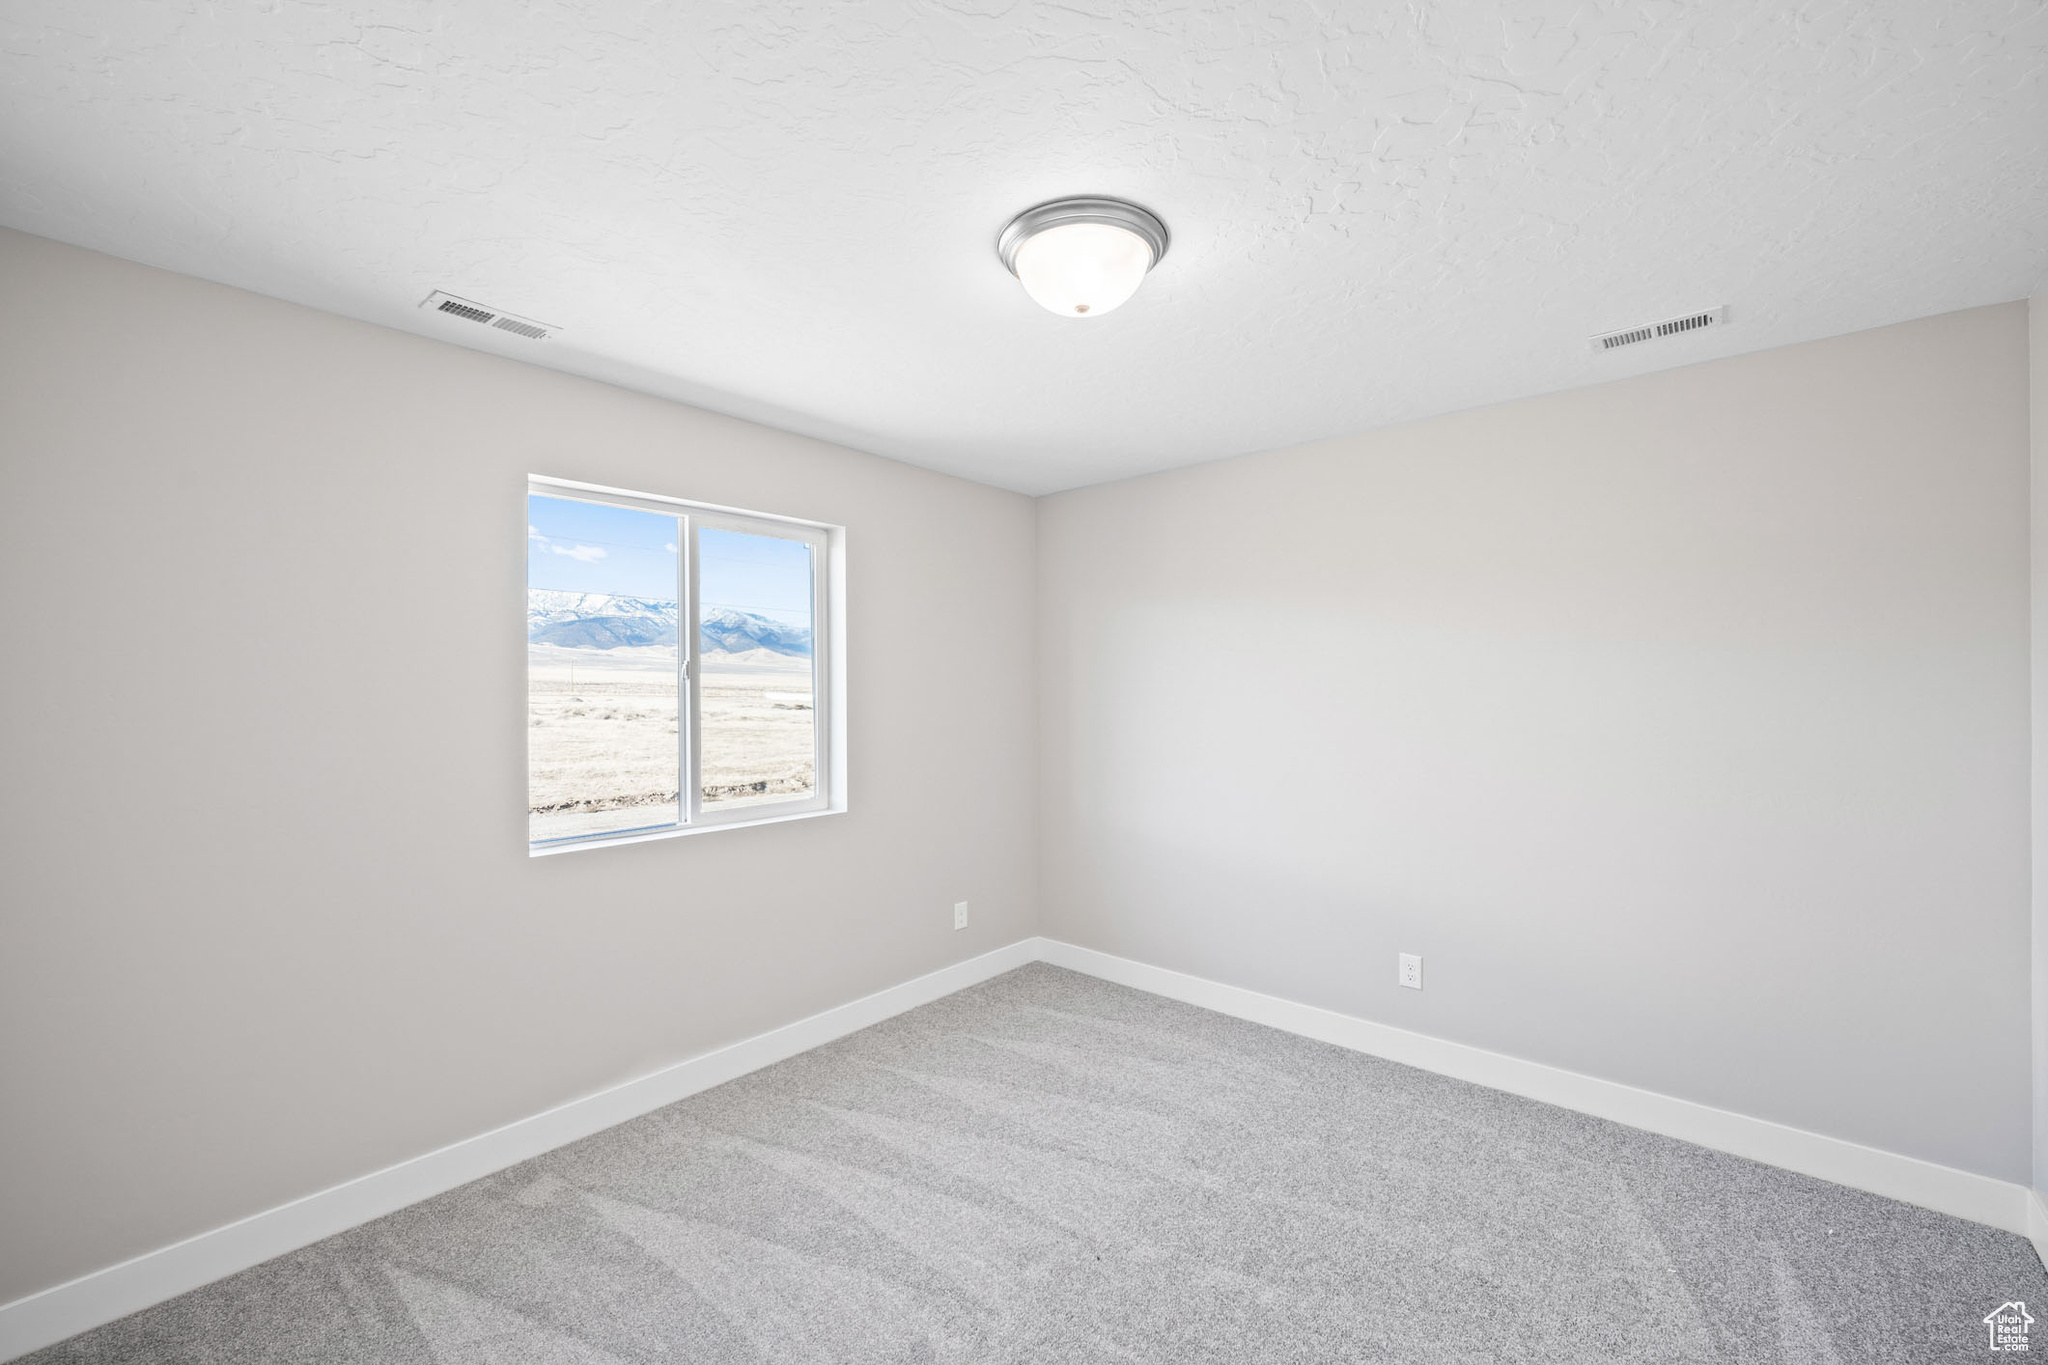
[[2037, 1225], [79, 1305], [48, 1317], [1979, 1198]]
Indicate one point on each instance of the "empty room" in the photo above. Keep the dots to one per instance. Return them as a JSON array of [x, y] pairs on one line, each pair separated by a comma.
[[946, 682]]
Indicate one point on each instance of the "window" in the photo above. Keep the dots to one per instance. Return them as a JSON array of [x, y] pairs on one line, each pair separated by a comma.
[[678, 666]]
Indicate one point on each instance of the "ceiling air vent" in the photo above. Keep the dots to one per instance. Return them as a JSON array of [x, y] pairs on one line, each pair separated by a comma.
[[1653, 331], [472, 311]]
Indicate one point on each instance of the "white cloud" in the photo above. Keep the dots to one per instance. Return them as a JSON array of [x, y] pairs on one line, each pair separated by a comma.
[[670, 547], [585, 553]]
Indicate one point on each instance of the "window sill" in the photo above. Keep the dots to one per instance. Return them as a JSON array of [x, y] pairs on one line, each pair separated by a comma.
[[580, 845]]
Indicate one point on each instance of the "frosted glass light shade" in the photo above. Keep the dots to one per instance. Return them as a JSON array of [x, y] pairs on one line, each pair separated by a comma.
[[1081, 258], [1083, 269]]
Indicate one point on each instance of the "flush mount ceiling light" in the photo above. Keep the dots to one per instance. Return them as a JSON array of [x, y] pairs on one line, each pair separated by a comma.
[[1082, 257]]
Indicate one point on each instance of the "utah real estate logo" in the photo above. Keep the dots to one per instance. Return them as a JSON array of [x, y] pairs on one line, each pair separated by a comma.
[[2008, 1325]]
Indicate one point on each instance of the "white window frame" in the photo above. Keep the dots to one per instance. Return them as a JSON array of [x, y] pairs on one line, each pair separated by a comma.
[[828, 674]]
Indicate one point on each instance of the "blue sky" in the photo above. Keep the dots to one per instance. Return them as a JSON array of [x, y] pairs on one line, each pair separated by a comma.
[[766, 575], [593, 547], [576, 546]]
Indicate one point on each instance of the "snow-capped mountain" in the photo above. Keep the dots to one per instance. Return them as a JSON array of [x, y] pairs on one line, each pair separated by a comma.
[[589, 620], [583, 620], [722, 629]]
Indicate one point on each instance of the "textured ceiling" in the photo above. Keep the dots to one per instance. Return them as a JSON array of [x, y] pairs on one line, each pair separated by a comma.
[[787, 212]]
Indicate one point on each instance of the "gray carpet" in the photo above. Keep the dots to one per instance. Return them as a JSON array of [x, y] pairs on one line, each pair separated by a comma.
[[1047, 1168]]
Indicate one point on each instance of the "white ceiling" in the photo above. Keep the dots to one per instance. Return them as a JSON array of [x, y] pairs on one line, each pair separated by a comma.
[[788, 211]]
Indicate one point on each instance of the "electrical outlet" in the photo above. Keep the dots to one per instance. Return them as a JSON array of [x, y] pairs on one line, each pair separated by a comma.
[[1411, 971], [959, 914]]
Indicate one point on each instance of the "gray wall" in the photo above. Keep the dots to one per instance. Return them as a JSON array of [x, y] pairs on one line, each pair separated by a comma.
[[2037, 385], [269, 921], [1681, 724]]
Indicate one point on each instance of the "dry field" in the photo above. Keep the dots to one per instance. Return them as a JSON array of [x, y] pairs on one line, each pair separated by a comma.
[[602, 736]]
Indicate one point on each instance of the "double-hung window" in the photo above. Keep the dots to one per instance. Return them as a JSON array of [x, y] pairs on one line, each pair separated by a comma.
[[679, 666]]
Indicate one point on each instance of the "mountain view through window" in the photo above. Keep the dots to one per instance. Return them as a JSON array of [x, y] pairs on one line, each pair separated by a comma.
[[603, 694], [757, 707], [609, 742]]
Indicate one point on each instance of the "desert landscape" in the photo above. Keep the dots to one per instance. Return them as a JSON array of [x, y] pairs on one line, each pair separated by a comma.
[[603, 739], [757, 729]]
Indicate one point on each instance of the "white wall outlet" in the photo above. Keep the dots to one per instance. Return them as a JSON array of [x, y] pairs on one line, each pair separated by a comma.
[[1411, 971], [959, 914]]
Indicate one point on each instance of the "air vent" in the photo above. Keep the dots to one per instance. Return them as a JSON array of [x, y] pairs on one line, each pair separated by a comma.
[[1654, 331], [525, 329], [471, 311]]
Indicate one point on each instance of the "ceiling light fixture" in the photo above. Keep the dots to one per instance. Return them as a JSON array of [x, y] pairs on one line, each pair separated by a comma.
[[1082, 257]]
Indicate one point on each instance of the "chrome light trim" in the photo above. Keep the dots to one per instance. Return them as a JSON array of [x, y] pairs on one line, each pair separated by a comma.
[[1061, 212]]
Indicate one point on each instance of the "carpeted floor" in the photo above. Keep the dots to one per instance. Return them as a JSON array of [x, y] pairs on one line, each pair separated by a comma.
[[1047, 1168]]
